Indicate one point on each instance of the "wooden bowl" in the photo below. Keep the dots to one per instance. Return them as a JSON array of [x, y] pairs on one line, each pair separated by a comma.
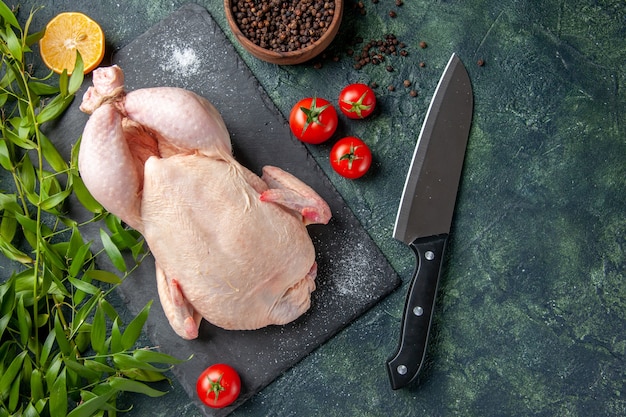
[[291, 57]]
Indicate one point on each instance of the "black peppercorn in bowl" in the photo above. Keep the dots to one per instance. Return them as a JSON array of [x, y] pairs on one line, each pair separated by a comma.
[[284, 32]]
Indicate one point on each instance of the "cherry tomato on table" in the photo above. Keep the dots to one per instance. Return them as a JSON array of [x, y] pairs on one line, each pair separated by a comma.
[[350, 157], [357, 101], [218, 385], [313, 120]]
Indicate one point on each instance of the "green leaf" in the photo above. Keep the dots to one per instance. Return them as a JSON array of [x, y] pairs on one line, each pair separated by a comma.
[[53, 370], [51, 203], [89, 407], [7, 296], [98, 331], [12, 372], [63, 83], [103, 276], [14, 254], [152, 356], [74, 244], [81, 315], [28, 224], [8, 227], [109, 310], [54, 108], [61, 338], [81, 370], [24, 322], [78, 257], [13, 44], [124, 361], [15, 138], [76, 80], [4, 322], [133, 330], [42, 320], [14, 396], [112, 251], [123, 384], [47, 348], [7, 15], [116, 337], [9, 202], [58, 396], [36, 385], [82, 339], [51, 154], [84, 286], [143, 375], [34, 410], [99, 367], [5, 156], [33, 38], [42, 89], [26, 173], [137, 249], [84, 196], [122, 237], [54, 254]]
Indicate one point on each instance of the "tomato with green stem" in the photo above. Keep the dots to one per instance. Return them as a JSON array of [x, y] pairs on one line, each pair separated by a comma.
[[357, 101], [313, 120], [218, 385], [350, 157]]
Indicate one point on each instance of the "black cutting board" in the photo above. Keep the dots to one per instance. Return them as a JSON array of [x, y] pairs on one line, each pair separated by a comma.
[[189, 50]]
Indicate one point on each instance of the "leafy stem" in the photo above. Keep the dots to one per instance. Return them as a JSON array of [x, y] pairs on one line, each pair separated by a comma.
[[62, 343]]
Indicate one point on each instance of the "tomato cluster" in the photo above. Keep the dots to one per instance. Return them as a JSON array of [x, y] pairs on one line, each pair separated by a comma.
[[314, 120]]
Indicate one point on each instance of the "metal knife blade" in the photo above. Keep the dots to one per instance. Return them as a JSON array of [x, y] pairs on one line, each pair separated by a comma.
[[426, 210]]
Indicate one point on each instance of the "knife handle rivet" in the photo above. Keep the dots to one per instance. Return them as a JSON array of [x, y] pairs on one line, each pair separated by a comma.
[[429, 255], [402, 369], [418, 311]]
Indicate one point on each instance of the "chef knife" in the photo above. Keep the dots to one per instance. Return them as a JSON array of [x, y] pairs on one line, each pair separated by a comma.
[[426, 208]]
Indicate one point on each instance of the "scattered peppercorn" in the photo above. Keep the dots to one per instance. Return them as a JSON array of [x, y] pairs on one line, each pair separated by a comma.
[[389, 68], [413, 93], [423, 45], [407, 83], [391, 88], [392, 14], [374, 84], [481, 62], [283, 26], [422, 64], [375, 51], [360, 6], [399, 3]]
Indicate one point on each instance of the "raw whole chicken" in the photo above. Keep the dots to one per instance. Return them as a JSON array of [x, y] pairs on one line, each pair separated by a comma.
[[229, 246]]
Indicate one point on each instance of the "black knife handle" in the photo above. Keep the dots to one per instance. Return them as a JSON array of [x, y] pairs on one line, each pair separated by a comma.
[[404, 366]]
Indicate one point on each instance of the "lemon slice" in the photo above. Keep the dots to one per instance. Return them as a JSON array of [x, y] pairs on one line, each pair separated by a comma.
[[65, 34]]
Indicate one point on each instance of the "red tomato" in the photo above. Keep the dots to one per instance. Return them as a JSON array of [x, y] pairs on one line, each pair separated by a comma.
[[350, 157], [218, 385], [357, 101], [313, 120]]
